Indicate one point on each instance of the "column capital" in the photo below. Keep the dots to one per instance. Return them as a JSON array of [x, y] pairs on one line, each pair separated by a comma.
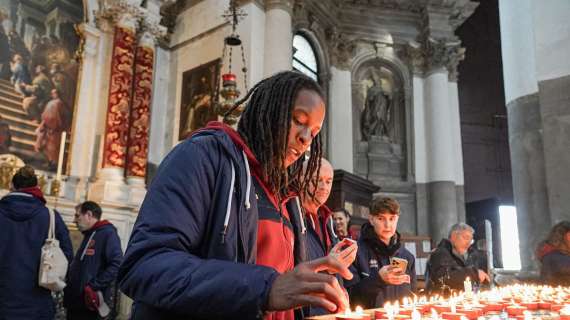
[[150, 24], [444, 53], [413, 55], [89, 36], [341, 49], [286, 5], [122, 13]]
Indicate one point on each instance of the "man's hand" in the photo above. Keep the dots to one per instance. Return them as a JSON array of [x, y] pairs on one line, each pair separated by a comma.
[[393, 275], [345, 252], [483, 277], [305, 286]]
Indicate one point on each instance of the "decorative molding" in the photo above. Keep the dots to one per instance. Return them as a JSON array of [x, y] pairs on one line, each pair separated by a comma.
[[341, 48], [122, 13], [286, 5], [444, 53]]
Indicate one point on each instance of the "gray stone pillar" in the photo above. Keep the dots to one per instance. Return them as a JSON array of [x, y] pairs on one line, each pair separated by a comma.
[[440, 186], [525, 126]]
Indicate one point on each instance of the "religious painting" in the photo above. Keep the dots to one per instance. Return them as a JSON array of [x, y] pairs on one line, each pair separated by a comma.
[[38, 78], [198, 89]]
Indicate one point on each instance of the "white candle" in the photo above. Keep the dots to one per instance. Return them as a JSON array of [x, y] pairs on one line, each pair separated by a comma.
[[60, 158], [416, 315], [467, 286]]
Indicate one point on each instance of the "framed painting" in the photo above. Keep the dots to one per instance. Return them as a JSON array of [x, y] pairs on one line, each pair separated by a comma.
[[198, 90], [38, 78]]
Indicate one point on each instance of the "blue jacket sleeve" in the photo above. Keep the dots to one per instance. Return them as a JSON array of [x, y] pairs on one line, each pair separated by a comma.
[[113, 257], [163, 265], [62, 235], [412, 273]]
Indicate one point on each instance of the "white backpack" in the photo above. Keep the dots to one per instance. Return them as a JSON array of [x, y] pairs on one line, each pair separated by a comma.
[[53, 263]]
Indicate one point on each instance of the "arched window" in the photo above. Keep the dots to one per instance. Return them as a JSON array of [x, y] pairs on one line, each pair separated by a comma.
[[304, 59]]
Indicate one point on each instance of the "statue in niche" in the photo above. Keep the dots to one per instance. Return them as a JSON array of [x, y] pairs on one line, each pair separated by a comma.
[[375, 119]]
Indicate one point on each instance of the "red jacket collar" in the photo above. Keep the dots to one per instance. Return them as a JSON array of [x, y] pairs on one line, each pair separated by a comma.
[[34, 191], [99, 224], [254, 164]]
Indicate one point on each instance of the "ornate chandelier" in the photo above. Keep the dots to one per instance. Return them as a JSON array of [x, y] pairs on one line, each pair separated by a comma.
[[226, 96]]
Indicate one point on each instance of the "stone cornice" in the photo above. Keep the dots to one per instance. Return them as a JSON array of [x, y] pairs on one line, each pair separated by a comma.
[[286, 5]]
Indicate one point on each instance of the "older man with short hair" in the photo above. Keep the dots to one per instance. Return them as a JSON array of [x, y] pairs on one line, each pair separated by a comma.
[[449, 265]]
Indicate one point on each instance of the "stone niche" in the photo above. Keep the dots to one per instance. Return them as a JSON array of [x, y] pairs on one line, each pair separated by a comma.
[[382, 139], [379, 109]]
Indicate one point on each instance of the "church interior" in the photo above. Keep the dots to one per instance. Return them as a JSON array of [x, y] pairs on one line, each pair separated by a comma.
[[458, 109]]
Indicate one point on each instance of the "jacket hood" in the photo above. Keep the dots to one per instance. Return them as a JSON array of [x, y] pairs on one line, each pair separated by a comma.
[[217, 128], [545, 249], [99, 225], [20, 206]]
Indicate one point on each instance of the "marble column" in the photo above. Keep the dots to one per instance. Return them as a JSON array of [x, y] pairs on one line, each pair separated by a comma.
[[525, 127], [83, 155], [440, 158], [455, 127], [278, 36], [120, 93], [340, 148], [110, 185], [137, 147]]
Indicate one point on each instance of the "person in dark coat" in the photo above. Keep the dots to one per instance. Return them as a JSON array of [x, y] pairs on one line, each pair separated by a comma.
[[376, 281], [554, 256], [321, 238], [91, 277], [219, 233], [24, 224], [449, 264]]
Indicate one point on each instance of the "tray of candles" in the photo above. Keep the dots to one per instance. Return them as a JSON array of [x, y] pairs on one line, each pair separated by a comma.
[[516, 302]]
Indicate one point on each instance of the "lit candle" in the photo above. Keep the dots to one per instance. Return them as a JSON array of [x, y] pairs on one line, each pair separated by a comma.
[[565, 313], [357, 314], [60, 158], [467, 287], [416, 315]]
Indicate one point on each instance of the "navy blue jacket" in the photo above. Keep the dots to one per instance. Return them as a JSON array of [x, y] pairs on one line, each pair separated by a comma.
[[96, 264], [317, 249], [192, 252], [24, 224], [367, 288], [555, 268]]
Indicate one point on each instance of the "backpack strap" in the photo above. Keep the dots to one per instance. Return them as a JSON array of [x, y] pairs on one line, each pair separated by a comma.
[[51, 230]]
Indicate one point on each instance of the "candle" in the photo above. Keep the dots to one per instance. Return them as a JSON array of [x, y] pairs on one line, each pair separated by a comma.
[[60, 158], [544, 305], [565, 313], [516, 310], [416, 315], [357, 314], [467, 286]]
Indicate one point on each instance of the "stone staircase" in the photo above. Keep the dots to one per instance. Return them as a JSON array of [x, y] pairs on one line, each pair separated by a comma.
[[22, 127]]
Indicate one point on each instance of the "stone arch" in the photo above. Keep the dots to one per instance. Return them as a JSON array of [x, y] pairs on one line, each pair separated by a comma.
[[385, 62], [323, 64]]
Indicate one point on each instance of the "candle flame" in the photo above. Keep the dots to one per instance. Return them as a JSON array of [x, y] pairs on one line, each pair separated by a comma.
[[359, 311]]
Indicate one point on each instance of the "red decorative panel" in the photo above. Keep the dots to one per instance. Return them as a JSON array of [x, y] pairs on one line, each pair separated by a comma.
[[140, 113], [120, 90]]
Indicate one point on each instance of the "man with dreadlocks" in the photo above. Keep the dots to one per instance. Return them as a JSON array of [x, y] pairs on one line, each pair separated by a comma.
[[220, 230]]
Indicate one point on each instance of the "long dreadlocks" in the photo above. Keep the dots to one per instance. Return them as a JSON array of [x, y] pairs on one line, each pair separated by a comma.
[[265, 125]]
